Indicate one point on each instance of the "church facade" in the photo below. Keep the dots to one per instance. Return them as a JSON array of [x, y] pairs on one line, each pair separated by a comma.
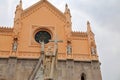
[[20, 46]]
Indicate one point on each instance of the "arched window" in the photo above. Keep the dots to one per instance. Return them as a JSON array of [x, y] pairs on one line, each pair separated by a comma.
[[83, 76]]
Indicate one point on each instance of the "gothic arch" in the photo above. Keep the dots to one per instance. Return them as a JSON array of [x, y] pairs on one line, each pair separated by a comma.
[[83, 76]]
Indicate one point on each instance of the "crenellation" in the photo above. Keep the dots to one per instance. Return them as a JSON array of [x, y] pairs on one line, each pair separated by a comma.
[[79, 34], [5, 27]]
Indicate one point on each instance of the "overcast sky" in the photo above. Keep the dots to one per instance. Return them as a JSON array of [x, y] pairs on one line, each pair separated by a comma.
[[104, 16]]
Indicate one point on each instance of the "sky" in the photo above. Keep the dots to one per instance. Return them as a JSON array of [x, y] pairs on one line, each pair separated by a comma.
[[104, 16]]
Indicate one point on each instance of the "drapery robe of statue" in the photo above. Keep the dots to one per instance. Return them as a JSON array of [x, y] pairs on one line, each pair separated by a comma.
[[48, 62]]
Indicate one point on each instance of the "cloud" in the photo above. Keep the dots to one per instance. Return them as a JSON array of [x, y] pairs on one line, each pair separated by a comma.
[[27, 3], [104, 16], [108, 48]]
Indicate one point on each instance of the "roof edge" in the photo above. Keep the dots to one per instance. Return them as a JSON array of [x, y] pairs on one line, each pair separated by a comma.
[[40, 2]]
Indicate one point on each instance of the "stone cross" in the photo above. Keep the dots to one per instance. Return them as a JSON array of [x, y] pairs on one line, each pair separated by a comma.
[[38, 72], [42, 45], [55, 45], [54, 56]]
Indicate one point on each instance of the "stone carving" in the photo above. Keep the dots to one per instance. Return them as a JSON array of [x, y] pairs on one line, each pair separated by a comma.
[[15, 44], [93, 50], [69, 47], [42, 45], [39, 75], [48, 62]]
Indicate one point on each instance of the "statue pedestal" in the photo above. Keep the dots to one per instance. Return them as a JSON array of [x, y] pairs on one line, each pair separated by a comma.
[[13, 54]]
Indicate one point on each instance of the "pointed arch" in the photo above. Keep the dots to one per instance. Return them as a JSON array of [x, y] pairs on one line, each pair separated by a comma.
[[83, 76]]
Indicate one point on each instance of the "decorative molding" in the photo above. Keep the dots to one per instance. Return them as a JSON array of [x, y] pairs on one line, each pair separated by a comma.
[[76, 57], [4, 54], [79, 38], [28, 55], [46, 4], [36, 28], [56, 12], [61, 56], [94, 57], [81, 57], [6, 34]]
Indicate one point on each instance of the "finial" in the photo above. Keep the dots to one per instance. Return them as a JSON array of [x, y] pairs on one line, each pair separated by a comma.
[[66, 9], [88, 23], [66, 5], [88, 26], [18, 11], [67, 13], [20, 3]]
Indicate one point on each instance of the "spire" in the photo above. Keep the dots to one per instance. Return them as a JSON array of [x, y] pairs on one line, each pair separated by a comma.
[[19, 10], [67, 10], [88, 27], [67, 14], [20, 4], [68, 21], [66, 7], [17, 19]]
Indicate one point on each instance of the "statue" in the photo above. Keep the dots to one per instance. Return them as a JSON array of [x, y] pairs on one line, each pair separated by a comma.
[[38, 72], [15, 44], [45, 68], [69, 49], [54, 58], [48, 61], [93, 50]]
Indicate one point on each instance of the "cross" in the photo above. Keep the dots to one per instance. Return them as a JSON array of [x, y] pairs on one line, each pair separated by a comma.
[[54, 55], [55, 45], [42, 45]]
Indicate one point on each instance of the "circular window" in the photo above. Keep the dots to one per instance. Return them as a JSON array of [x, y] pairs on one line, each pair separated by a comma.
[[42, 36]]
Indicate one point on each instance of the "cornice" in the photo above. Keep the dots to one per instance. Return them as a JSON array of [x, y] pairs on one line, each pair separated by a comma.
[[61, 56], [40, 4]]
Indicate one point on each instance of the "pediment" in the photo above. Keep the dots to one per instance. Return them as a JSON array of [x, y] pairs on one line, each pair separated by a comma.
[[43, 3]]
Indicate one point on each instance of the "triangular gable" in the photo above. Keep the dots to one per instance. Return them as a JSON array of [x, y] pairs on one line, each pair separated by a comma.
[[36, 6]]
